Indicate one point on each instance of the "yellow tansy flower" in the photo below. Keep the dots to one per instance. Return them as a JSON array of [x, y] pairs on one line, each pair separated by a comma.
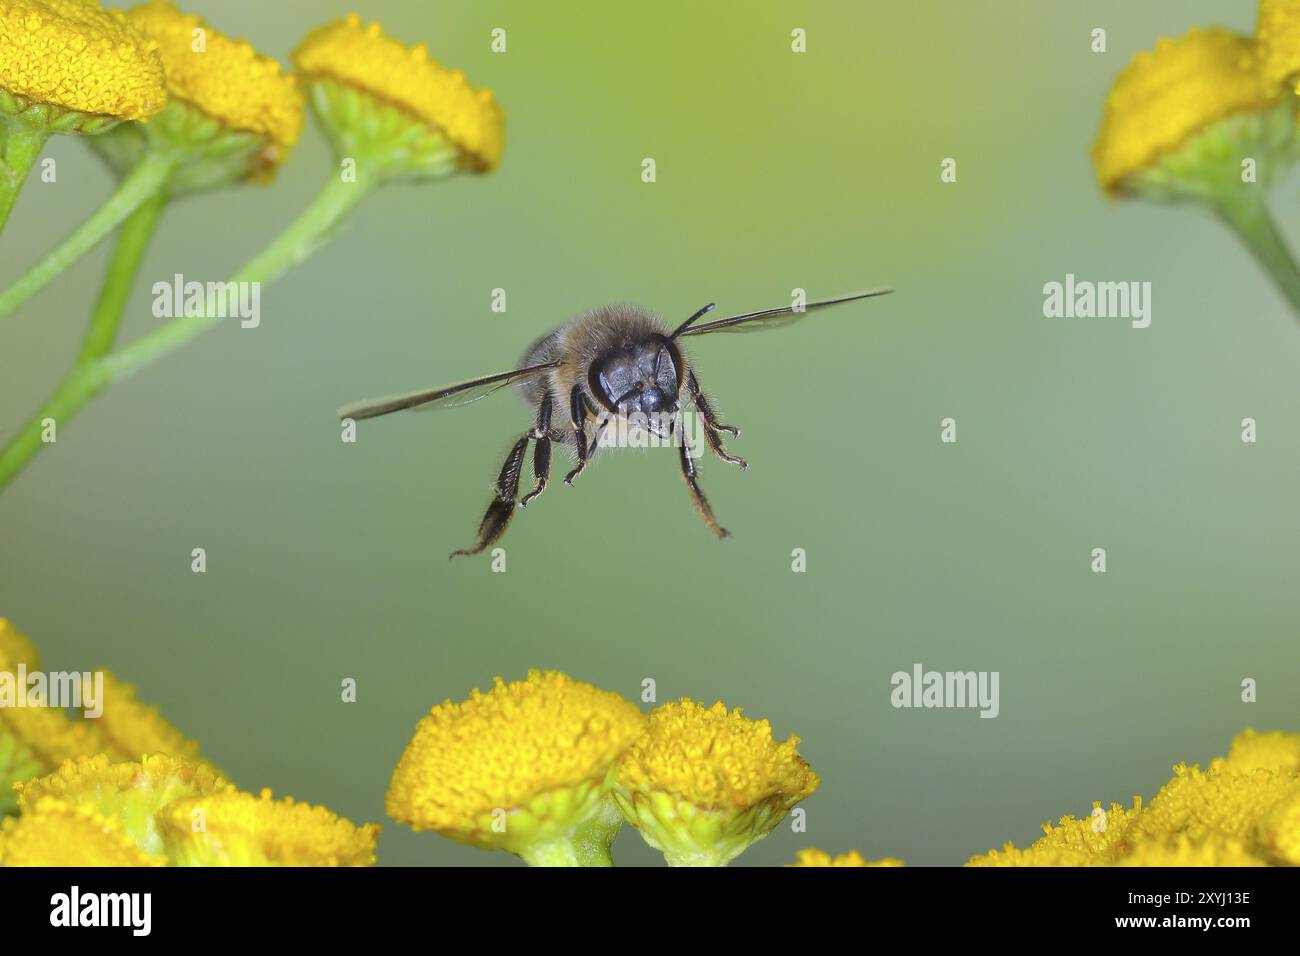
[[703, 784], [362, 58], [525, 767], [57, 833], [1278, 833], [226, 79], [1277, 34], [1274, 750], [1096, 835], [1187, 852], [1167, 95], [170, 810], [231, 828], [1204, 119], [811, 857], [1012, 856], [1094, 840], [133, 793], [1243, 811], [1214, 804], [75, 55]]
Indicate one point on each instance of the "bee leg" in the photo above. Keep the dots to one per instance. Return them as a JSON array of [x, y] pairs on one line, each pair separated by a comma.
[[541, 452], [712, 427], [541, 470], [502, 507], [697, 495], [578, 414]]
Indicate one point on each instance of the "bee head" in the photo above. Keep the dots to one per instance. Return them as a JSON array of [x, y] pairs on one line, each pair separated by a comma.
[[640, 379]]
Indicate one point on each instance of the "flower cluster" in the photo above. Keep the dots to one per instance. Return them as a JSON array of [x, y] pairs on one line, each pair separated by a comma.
[[128, 789], [1244, 810], [548, 768], [175, 107], [524, 767]]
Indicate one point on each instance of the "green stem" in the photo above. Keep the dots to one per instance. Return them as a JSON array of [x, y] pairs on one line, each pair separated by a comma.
[[20, 145], [82, 384], [303, 237], [132, 242], [87, 379], [142, 183], [309, 231], [1251, 221]]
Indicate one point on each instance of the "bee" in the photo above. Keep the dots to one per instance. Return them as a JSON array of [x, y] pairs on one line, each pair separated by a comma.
[[614, 364]]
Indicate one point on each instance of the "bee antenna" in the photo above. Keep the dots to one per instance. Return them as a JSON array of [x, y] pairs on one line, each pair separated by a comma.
[[687, 324]]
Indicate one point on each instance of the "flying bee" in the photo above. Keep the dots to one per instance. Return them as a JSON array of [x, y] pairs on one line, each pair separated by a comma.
[[614, 363]]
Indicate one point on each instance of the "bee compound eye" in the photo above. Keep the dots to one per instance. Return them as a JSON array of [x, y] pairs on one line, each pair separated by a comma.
[[606, 386]]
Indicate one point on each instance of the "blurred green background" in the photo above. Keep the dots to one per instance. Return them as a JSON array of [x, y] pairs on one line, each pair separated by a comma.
[[775, 171]]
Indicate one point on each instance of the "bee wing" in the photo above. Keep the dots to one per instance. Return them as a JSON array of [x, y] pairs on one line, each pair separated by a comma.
[[449, 396], [770, 318]]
